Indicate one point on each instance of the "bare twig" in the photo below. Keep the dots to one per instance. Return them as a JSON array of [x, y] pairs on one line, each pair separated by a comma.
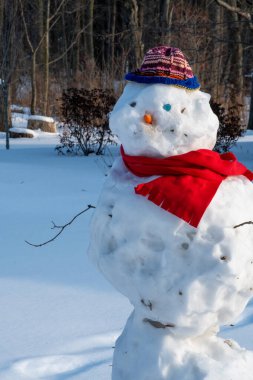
[[243, 224], [61, 228]]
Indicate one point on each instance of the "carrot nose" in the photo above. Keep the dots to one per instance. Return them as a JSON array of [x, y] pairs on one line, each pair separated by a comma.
[[148, 118]]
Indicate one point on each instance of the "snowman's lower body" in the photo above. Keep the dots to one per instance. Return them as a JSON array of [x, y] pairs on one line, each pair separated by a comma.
[[146, 352]]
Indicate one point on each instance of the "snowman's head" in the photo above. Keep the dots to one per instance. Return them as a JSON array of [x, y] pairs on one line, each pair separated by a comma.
[[161, 120]]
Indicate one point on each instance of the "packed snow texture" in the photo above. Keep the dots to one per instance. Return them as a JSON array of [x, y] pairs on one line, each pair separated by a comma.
[[183, 282], [193, 279], [162, 356]]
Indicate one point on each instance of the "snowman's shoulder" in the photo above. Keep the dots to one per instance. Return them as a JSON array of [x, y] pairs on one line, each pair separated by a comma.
[[237, 185], [233, 201], [116, 175], [121, 177], [119, 172], [119, 184]]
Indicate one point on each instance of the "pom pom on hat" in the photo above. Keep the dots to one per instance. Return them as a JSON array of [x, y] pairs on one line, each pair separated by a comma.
[[167, 65]]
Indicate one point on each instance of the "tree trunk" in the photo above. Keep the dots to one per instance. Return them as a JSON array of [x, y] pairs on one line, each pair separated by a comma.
[[40, 27], [166, 11], [64, 28], [113, 38], [7, 63], [34, 87], [77, 50], [236, 51], [90, 43], [5, 112], [1, 25], [136, 25], [213, 76], [46, 59], [6, 115], [250, 122]]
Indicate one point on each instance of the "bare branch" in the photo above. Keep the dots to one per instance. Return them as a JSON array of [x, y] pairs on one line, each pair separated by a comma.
[[25, 26], [44, 35], [57, 10], [243, 224], [237, 10], [5, 69], [70, 46], [61, 228], [34, 50]]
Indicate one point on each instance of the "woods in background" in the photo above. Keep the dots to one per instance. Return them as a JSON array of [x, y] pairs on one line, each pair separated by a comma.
[[50, 45]]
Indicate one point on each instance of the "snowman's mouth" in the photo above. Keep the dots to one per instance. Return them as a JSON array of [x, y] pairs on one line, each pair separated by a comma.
[[157, 324], [151, 127]]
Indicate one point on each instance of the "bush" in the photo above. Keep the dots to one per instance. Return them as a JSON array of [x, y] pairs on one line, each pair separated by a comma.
[[230, 128], [85, 126]]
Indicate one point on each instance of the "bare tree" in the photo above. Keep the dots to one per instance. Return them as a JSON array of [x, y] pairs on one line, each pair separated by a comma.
[[136, 25], [232, 7], [166, 13], [46, 56], [235, 63], [90, 43], [50, 20], [8, 60], [34, 52], [89, 35]]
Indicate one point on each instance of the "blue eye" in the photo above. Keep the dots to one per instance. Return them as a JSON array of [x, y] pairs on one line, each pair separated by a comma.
[[167, 107]]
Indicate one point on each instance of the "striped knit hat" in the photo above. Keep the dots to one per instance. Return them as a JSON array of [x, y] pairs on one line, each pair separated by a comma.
[[167, 65]]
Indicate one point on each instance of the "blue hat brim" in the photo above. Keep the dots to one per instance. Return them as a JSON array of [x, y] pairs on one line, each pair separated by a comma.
[[190, 83]]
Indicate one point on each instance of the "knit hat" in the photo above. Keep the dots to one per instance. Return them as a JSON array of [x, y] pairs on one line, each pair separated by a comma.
[[167, 65]]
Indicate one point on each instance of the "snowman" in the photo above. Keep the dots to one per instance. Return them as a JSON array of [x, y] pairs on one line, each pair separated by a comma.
[[169, 231]]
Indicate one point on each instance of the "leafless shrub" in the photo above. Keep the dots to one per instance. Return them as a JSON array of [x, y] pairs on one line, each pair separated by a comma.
[[85, 126]]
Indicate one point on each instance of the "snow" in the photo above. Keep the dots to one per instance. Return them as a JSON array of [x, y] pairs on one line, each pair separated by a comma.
[[59, 318], [20, 109], [41, 118], [180, 359], [19, 120], [22, 130], [184, 283]]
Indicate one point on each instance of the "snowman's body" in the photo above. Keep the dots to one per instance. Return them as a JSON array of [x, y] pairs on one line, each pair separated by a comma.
[[183, 282]]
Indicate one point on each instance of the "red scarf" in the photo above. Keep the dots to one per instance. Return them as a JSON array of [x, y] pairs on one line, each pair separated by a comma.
[[188, 181]]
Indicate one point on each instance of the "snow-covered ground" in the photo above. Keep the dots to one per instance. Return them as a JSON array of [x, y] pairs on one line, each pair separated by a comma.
[[59, 318]]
